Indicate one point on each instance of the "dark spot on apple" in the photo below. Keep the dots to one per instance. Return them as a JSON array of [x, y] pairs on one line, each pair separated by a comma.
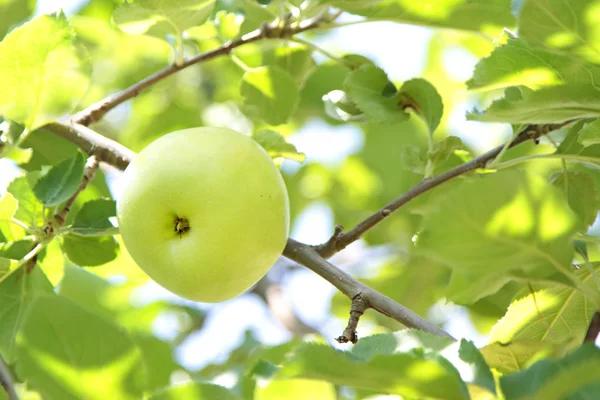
[[182, 226]]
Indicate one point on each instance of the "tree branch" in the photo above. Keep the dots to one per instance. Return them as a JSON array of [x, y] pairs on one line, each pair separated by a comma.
[[7, 382], [308, 256], [267, 31], [340, 240]]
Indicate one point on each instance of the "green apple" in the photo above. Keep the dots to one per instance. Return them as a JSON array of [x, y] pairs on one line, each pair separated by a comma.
[[204, 212]]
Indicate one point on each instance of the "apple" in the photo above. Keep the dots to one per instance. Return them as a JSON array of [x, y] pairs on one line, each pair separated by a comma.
[[204, 212]]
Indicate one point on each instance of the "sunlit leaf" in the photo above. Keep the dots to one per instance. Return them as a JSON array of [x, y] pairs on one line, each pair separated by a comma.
[[467, 15], [296, 389], [576, 376], [162, 17], [518, 354], [60, 347], [44, 72], [497, 227], [29, 209], [552, 313], [517, 63], [17, 292], [277, 146], [581, 193], [590, 133], [270, 94], [410, 374], [194, 391]]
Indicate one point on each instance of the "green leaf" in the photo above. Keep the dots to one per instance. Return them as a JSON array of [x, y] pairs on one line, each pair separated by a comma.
[[371, 91], [18, 291], [162, 17], [67, 352], [516, 355], [13, 12], [581, 193], [296, 389], [276, 145], [474, 367], [565, 27], [402, 341], [400, 373], [548, 105], [467, 15], [550, 313], [90, 251], [8, 206], [158, 360], [61, 182], [575, 376], [29, 209], [422, 97], [194, 391], [507, 225], [270, 94], [44, 72], [516, 63], [590, 133], [92, 219], [339, 106]]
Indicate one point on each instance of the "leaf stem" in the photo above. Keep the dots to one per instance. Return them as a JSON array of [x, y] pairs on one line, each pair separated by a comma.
[[28, 257], [320, 50]]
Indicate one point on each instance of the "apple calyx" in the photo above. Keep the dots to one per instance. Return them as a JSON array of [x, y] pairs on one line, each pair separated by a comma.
[[182, 225]]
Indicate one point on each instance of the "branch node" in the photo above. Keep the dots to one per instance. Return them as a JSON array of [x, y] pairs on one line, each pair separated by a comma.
[[330, 246], [357, 309]]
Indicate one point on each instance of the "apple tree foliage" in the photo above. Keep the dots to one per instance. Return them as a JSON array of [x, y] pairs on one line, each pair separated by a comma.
[[513, 244]]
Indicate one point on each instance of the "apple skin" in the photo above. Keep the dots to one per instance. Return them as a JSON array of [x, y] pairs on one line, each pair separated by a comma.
[[228, 200]]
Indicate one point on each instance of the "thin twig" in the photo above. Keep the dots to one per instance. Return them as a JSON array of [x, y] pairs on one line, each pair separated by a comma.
[[307, 256], [357, 309], [6, 380], [267, 31], [342, 240], [594, 329], [89, 173]]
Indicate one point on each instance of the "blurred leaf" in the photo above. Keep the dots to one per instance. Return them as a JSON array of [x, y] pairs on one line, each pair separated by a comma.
[[90, 251], [500, 226], [410, 374], [270, 94], [18, 292], [590, 133], [467, 15], [296, 389], [582, 195], [575, 376], [61, 182], [339, 106], [158, 360], [565, 27], [552, 104], [296, 60], [194, 391], [162, 17], [422, 97], [92, 219], [60, 347], [551, 313], [368, 88], [516, 355], [516, 63], [44, 73], [399, 342], [277, 146], [473, 367], [29, 210], [13, 12], [8, 206], [16, 250]]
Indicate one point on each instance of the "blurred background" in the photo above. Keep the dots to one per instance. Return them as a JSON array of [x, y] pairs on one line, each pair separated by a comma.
[[350, 171]]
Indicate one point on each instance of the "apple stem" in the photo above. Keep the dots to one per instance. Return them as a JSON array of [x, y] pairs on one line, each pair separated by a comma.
[[182, 225]]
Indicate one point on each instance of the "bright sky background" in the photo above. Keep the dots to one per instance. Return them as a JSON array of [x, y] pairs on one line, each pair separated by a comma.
[[227, 321]]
